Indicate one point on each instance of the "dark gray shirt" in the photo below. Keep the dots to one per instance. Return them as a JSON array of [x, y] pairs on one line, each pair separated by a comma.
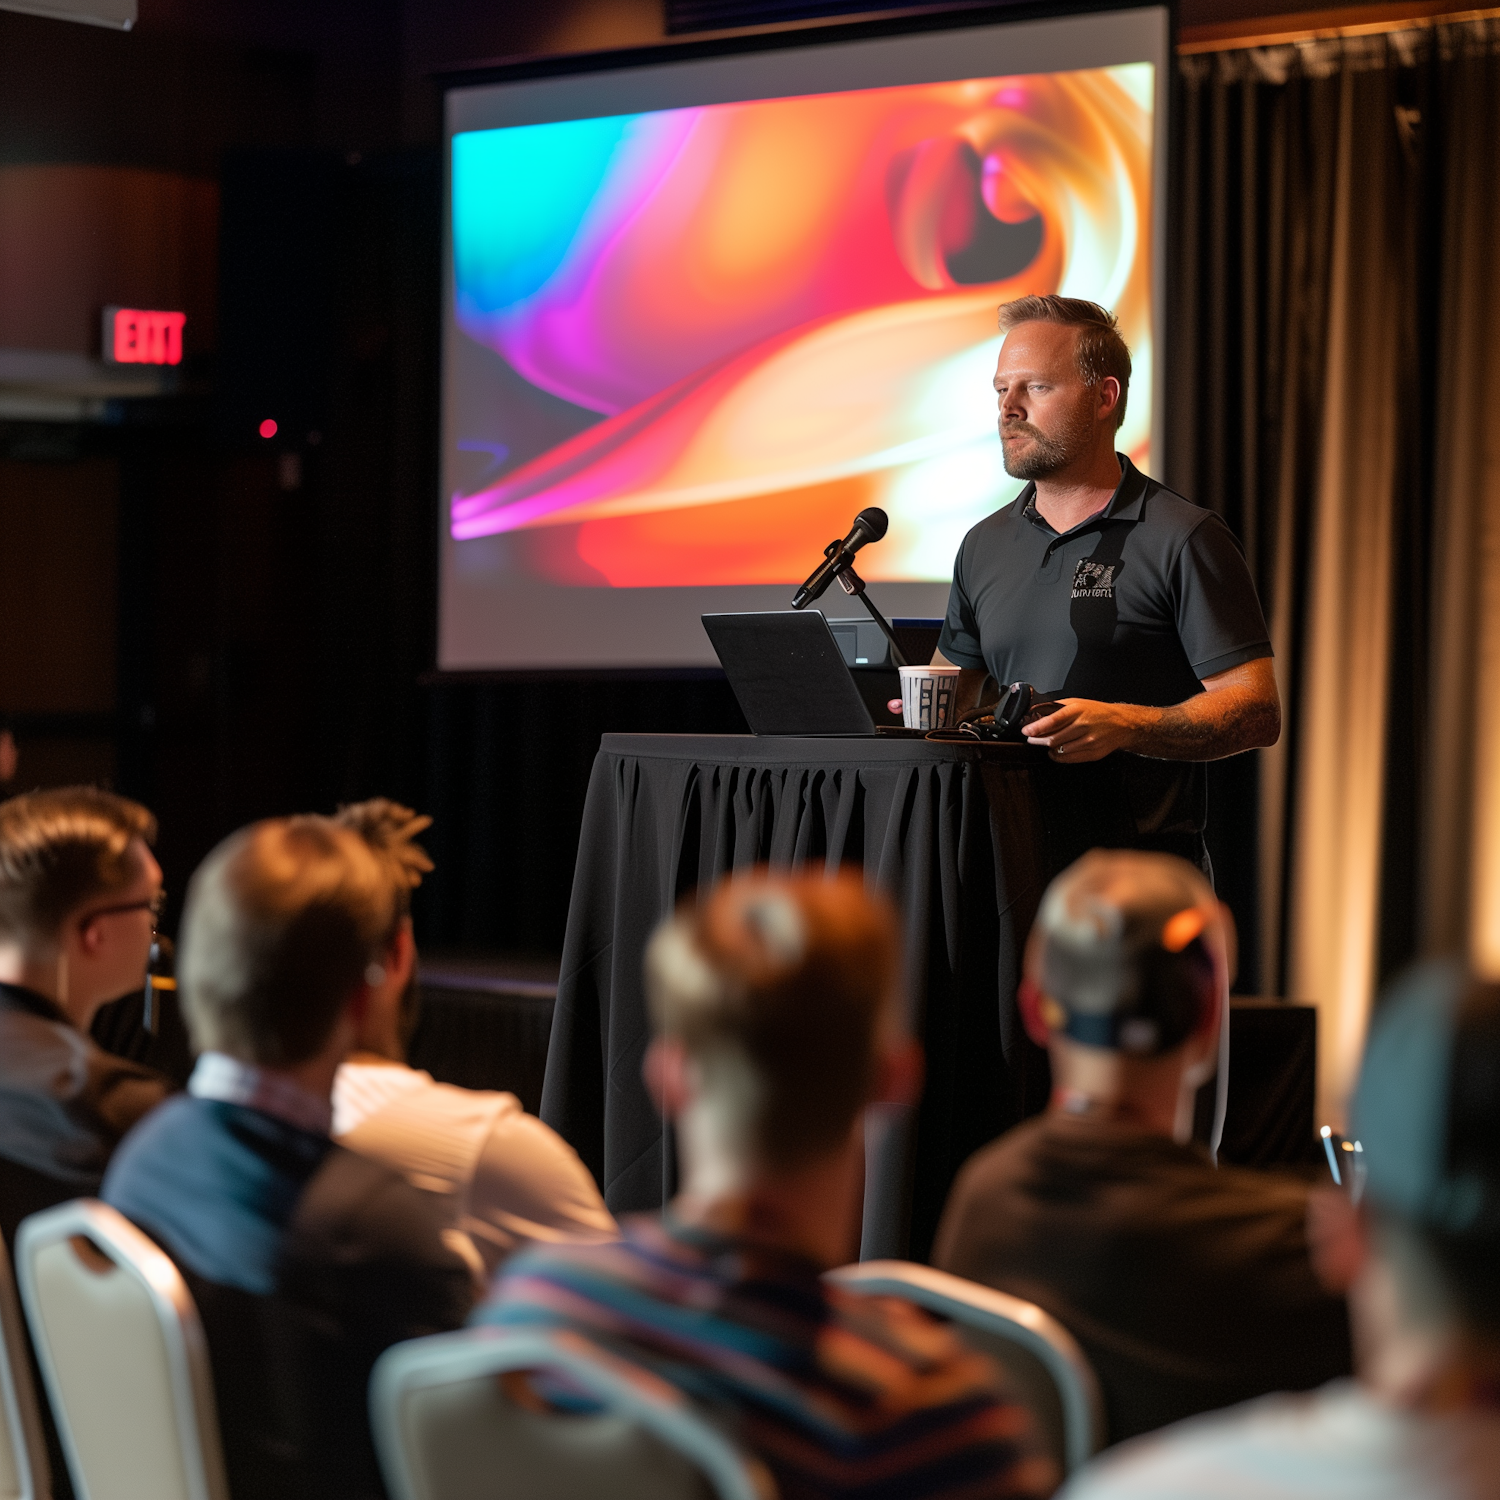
[[1190, 1287], [64, 1106], [64, 1103], [1135, 605]]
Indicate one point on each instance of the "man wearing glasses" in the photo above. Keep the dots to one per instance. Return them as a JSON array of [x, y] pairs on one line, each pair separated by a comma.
[[80, 894]]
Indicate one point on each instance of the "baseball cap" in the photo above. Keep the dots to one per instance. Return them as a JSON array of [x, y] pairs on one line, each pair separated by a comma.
[[1427, 1105], [1125, 956]]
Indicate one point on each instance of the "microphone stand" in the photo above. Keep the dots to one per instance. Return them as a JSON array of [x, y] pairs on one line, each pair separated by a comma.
[[854, 585]]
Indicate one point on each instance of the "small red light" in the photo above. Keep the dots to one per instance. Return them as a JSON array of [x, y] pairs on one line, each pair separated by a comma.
[[268, 428]]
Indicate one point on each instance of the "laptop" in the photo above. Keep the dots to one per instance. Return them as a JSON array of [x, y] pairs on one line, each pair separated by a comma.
[[788, 673]]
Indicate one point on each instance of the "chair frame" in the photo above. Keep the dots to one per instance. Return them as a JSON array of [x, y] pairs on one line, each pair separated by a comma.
[[998, 1313], [624, 1389], [189, 1370], [18, 1405]]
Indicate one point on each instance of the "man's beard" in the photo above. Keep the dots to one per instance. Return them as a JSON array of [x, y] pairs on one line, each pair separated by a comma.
[[1047, 455]]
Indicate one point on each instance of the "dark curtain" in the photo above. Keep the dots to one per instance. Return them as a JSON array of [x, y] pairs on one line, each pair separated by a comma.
[[1330, 373], [507, 772]]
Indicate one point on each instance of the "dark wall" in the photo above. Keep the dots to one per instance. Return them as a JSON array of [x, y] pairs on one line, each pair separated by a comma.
[[264, 616], [222, 614], [192, 80], [438, 35]]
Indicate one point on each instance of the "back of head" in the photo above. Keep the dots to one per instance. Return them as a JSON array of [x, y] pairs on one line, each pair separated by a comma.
[[282, 921], [782, 991], [1427, 1115], [1126, 952], [60, 850]]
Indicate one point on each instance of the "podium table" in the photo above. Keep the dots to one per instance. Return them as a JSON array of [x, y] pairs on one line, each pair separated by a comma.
[[963, 837]]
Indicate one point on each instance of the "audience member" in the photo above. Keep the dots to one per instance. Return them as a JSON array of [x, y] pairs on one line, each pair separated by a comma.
[[1189, 1287], [79, 892], [507, 1178], [1421, 1251], [775, 1010], [306, 1260]]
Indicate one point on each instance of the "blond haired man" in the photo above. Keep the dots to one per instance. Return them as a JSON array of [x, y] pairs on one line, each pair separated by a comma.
[[774, 1001]]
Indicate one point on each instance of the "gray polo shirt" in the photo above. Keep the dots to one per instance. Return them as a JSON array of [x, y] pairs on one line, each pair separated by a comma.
[[1135, 605]]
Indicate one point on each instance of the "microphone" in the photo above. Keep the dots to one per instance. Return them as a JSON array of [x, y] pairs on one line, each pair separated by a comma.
[[869, 526]]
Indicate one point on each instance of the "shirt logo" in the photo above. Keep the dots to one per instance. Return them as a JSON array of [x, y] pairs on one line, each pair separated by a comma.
[[1093, 580]]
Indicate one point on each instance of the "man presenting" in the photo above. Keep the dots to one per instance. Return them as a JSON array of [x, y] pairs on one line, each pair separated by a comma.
[[1115, 598]]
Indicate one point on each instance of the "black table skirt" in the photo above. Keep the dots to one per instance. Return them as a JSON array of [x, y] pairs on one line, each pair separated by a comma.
[[955, 833]]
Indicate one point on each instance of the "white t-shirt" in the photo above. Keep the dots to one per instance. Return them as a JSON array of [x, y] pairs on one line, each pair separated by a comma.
[[510, 1179], [1336, 1443]]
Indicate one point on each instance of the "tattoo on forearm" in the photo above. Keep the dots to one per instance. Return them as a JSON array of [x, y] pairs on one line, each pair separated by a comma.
[[1211, 726]]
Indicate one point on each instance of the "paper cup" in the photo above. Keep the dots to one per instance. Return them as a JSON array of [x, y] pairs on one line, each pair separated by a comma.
[[927, 696]]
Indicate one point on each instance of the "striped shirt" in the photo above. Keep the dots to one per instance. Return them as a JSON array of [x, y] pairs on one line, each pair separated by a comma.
[[842, 1394]]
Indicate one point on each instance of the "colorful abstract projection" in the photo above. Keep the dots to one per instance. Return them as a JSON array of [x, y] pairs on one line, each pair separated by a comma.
[[777, 313]]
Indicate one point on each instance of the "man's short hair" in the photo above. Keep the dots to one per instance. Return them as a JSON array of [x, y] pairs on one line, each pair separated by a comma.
[[281, 923], [60, 850], [1121, 951], [781, 989], [1100, 350]]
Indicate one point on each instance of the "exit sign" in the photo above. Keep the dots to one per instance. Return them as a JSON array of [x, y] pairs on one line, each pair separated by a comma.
[[135, 336]]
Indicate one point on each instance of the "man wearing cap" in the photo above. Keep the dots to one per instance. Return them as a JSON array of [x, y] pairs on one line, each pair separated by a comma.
[[1421, 1251], [1188, 1287], [1110, 595]]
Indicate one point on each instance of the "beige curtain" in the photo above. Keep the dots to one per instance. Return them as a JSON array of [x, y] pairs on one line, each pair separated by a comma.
[[1340, 699], [1337, 395], [1462, 853]]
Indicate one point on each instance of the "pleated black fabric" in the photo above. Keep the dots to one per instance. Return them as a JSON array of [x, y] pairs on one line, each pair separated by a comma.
[[956, 834]]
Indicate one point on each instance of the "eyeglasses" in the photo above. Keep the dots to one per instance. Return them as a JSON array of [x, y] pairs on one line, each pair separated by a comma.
[[156, 905]]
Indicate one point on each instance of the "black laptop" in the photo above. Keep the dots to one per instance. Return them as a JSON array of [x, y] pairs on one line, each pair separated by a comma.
[[788, 673]]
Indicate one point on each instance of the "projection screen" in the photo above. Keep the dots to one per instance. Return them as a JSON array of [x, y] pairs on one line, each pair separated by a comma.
[[700, 313]]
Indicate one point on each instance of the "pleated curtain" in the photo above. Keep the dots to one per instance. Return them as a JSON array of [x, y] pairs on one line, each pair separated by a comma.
[[1461, 860], [1334, 391]]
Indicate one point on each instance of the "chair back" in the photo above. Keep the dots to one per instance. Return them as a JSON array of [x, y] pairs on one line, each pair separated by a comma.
[[123, 1356], [450, 1425], [24, 1473], [1046, 1368]]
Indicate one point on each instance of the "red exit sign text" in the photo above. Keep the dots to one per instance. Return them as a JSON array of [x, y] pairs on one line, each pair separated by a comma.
[[134, 336]]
